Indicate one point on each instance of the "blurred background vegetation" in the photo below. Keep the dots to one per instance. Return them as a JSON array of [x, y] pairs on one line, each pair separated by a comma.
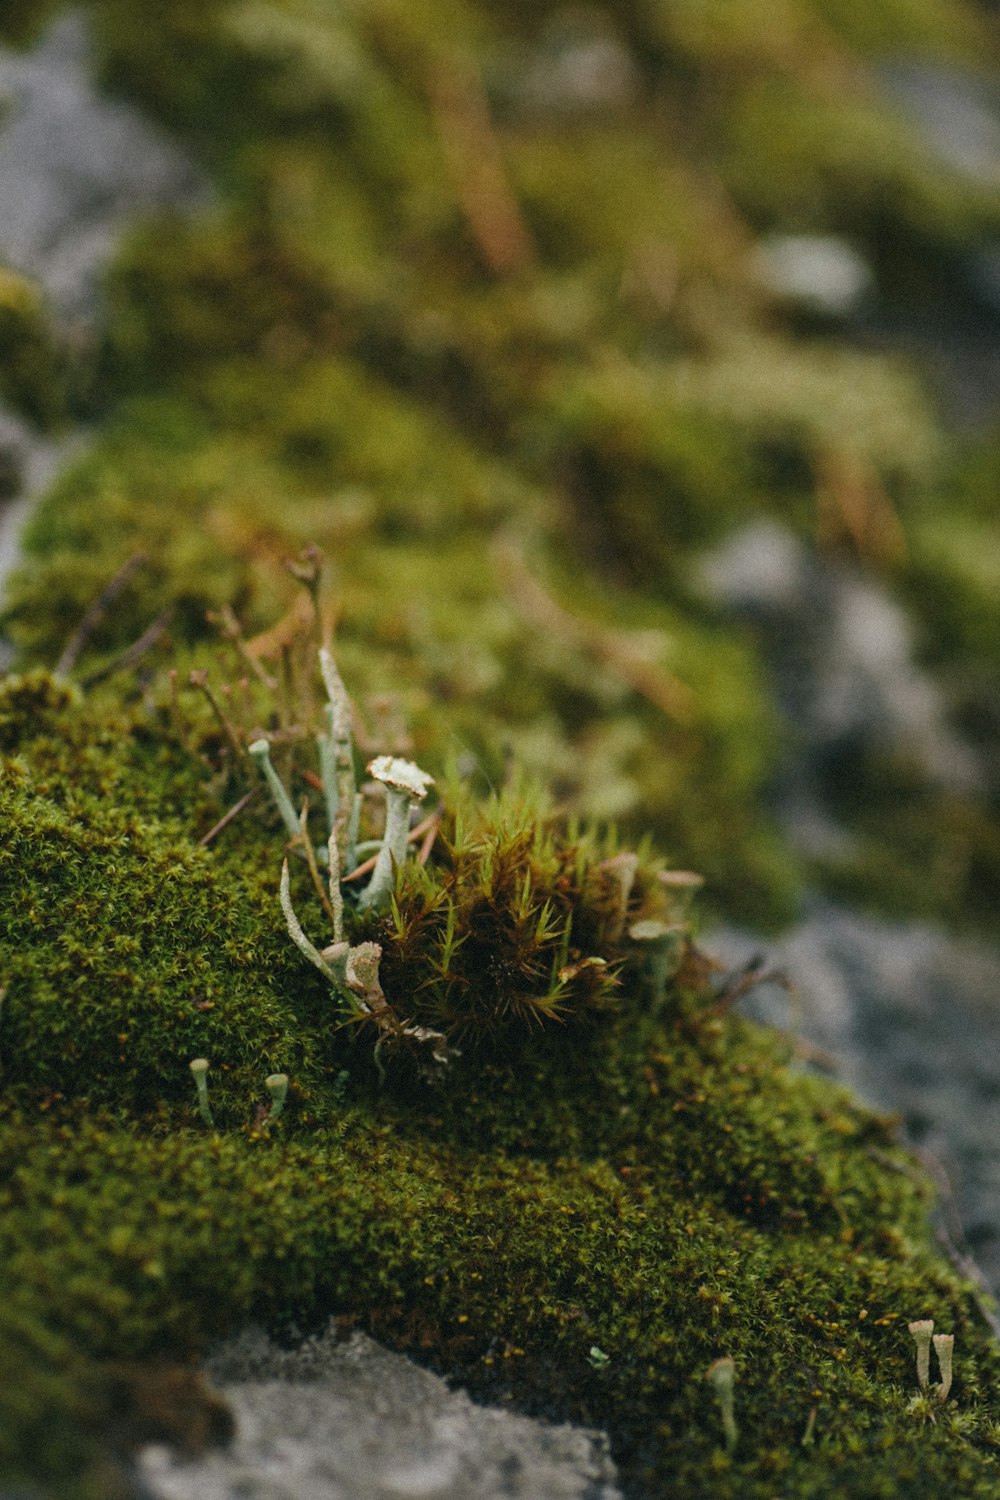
[[521, 312]]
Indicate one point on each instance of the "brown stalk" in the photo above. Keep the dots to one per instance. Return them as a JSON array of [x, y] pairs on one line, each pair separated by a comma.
[[112, 590], [474, 159], [424, 853], [756, 972], [228, 817], [199, 679], [231, 630], [851, 503], [132, 654], [310, 854], [667, 693]]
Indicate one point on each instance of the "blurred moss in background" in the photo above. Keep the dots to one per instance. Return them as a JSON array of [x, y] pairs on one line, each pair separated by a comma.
[[518, 311]]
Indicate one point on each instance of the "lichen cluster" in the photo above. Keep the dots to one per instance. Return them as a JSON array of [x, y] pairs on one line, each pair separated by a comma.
[[491, 340]]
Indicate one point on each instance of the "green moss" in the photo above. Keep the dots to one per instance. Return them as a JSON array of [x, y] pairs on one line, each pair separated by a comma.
[[511, 1269], [624, 1167], [514, 477], [22, 25], [33, 370]]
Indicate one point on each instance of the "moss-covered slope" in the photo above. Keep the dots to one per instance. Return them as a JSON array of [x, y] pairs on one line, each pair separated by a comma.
[[648, 1176], [495, 344]]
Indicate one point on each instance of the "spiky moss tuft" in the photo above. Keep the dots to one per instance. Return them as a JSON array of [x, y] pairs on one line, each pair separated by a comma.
[[517, 921]]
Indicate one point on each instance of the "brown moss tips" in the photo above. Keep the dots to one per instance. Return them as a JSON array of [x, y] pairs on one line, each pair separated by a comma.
[[517, 922]]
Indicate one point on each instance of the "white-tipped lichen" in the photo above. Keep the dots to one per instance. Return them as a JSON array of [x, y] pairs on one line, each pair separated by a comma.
[[260, 752], [922, 1330], [277, 1086], [406, 785], [721, 1374], [199, 1071], [944, 1345], [401, 776]]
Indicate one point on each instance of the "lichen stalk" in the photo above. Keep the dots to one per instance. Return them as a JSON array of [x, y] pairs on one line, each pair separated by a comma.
[[199, 1071], [277, 1086], [392, 853], [339, 715], [260, 753], [327, 755], [295, 931], [922, 1330], [721, 1374], [944, 1345]]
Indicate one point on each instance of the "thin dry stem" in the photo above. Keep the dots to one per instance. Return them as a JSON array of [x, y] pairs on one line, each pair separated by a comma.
[[133, 654], [475, 162], [614, 651], [112, 591], [228, 817], [317, 879], [199, 679]]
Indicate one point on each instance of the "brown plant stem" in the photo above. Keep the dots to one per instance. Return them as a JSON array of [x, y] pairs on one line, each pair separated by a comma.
[[112, 590]]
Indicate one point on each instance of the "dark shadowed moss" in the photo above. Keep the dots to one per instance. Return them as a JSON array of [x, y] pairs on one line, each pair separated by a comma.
[[33, 370]]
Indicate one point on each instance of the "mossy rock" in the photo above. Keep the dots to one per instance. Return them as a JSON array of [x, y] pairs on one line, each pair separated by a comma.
[[645, 1173], [514, 475]]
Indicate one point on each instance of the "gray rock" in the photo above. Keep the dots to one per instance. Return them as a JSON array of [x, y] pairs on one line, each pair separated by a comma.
[[32, 462], [843, 655], [909, 1017], [75, 168], [352, 1421], [820, 272], [957, 112]]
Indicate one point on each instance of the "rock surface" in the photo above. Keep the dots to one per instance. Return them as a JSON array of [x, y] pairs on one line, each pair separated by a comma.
[[352, 1421], [907, 1015], [75, 168]]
